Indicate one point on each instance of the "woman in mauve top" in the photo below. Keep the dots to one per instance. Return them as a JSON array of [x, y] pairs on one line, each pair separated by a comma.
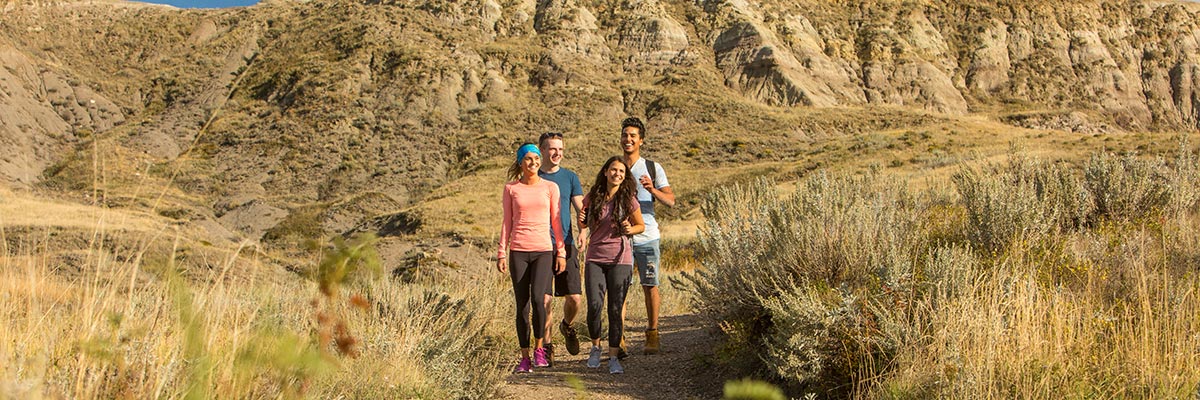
[[527, 251], [611, 214]]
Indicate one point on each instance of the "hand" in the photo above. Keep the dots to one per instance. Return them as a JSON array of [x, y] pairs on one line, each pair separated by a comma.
[[579, 242], [560, 265], [581, 218], [647, 183], [625, 226], [502, 265]]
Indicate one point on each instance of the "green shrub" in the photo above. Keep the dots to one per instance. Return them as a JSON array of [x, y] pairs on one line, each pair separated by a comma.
[[1071, 282], [1024, 200], [1184, 181], [848, 238], [1127, 187], [827, 339]]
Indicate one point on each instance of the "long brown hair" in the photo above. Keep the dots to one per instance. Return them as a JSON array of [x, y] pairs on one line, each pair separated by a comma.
[[599, 191]]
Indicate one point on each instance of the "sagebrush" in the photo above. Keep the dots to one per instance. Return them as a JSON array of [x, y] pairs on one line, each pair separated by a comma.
[[1032, 279]]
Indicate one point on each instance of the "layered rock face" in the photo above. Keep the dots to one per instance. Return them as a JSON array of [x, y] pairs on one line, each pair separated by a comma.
[[290, 102], [1131, 60]]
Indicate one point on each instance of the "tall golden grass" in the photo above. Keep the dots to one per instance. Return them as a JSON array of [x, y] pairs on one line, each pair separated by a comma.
[[128, 326]]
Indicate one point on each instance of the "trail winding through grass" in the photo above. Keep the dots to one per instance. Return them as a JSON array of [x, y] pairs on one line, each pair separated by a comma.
[[678, 372]]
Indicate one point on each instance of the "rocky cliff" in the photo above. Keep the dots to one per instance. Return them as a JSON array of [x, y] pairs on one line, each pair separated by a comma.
[[292, 110]]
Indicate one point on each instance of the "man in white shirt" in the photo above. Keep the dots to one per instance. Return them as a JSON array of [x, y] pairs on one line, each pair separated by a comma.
[[652, 187]]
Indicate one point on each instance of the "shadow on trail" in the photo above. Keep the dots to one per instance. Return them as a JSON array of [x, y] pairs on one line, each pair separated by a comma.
[[678, 372]]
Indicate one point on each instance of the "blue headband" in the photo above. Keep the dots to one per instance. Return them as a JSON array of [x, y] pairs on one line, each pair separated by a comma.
[[526, 149]]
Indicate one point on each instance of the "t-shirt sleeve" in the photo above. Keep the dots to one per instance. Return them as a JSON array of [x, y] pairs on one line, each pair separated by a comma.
[[635, 206], [576, 187], [555, 217], [660, 178]]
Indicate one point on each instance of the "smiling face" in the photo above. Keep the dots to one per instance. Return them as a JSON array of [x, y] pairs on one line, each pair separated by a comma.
[[553, 149], [530, 164], [631, 140], [615, 174]]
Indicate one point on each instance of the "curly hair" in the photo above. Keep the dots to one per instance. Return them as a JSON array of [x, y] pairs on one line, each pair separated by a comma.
[[599, 192], [636, 123]]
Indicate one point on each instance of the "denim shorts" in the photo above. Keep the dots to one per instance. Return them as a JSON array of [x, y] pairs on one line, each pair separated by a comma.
[[645, 258]]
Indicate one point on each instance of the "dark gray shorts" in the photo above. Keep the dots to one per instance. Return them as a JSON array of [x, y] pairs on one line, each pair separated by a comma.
[[569, 282]]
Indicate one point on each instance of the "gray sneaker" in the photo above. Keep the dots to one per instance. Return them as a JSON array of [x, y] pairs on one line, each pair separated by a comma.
[[594, 357], [614, 366]]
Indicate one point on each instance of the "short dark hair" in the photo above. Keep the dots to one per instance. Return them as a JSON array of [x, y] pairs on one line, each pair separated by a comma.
[[549, 135], [636, 123]]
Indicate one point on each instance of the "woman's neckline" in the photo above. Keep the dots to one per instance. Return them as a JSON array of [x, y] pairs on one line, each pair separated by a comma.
[[533, 180]]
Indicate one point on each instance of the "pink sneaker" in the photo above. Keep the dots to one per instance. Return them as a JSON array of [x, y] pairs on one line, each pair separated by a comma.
[[539, 358], [525, 366]]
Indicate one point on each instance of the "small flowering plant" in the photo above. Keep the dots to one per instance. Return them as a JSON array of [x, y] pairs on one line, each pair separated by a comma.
[[344, 262]]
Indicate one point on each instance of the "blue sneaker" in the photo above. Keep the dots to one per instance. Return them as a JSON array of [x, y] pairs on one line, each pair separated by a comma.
[[594, 357], [614, 366]]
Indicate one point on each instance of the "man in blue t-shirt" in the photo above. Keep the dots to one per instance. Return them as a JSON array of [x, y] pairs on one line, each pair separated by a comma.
[[645, 245], [567, 284]]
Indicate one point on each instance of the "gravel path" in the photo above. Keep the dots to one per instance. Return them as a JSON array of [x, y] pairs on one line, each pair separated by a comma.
[[678, 372]]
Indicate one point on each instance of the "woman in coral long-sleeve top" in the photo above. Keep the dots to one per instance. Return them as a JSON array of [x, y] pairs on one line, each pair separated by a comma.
[[527, 251]]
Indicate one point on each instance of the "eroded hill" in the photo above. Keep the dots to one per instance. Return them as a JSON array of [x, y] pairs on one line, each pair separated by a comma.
[[289, 120]]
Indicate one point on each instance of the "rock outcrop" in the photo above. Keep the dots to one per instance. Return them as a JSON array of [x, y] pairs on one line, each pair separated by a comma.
[[43, 113], [571, 32]]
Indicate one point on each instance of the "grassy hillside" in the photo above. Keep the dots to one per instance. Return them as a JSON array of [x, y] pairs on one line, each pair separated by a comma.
[[287, 110]]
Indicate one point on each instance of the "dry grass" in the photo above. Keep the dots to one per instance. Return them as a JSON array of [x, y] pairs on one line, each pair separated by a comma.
[[23, 210], [856, 288], [1014, 336], [122, 328]]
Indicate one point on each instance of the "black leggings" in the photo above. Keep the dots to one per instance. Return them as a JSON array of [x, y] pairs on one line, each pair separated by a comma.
[[532, 273], [613, 280]]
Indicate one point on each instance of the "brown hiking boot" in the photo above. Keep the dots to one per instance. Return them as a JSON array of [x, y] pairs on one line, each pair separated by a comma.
[[651, 341], [569, 334]]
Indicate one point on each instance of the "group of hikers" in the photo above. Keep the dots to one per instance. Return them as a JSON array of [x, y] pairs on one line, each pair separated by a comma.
[[616, 224]]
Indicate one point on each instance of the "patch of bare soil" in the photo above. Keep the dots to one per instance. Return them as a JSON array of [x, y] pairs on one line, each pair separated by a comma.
[[678, 372]]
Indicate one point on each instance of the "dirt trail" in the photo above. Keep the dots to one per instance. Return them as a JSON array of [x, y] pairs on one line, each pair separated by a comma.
[[678, 372]]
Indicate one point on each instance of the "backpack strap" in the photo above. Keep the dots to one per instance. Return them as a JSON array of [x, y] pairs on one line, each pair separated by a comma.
[[653, 172]]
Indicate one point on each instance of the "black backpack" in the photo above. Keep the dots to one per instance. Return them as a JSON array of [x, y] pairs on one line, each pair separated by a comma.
[[653, 172]]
